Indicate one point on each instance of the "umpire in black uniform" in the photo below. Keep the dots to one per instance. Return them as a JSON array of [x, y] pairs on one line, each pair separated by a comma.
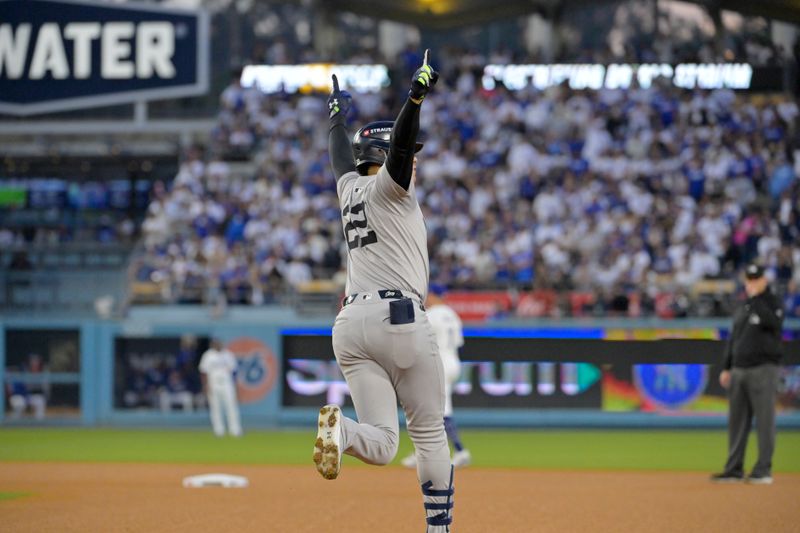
[[750, 374]]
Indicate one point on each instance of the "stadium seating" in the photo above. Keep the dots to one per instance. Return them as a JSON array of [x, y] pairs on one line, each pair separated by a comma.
[[614, 194]]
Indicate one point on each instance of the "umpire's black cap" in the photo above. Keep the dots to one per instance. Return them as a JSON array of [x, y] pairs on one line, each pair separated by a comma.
[[371, 143], [754, 271]]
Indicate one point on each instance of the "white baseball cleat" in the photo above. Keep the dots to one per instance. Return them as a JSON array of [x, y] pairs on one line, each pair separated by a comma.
[[328, 446], [409, 461], [462, 459]]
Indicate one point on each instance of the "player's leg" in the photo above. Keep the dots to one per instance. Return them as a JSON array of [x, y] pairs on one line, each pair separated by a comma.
[[740, 414], [38, 403], [164, 401], [461, 457], [420, 388], [410, 461], [185, 399], [215, 412], [764, 385], [18, 403], [374, 438], [452, 371], [232, 412]]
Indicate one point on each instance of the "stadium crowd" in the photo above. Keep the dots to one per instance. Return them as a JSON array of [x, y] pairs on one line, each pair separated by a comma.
[[616, 192], [280, 33], [623, 194], [51, 211]]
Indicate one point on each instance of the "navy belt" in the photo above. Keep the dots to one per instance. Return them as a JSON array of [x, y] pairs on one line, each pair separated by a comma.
[[384, 294]]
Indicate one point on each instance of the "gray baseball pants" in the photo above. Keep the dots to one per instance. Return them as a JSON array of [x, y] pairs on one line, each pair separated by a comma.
[[752, 393], [382, 363]]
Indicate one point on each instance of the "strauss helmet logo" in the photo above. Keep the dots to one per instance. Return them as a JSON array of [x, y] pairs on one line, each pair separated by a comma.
[[375, 132]]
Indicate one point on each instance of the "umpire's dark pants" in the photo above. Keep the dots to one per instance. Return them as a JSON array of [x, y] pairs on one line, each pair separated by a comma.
[[752, 393]]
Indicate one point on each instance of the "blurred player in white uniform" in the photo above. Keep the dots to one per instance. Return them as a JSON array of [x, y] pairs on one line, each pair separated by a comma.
[[218, 367], [449, 337]]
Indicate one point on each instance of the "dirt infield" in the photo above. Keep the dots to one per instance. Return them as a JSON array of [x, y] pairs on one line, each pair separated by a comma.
[[149, 498]]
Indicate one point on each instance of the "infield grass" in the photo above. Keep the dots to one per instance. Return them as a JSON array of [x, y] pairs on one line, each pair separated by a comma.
[[12, 495], [538, 449]]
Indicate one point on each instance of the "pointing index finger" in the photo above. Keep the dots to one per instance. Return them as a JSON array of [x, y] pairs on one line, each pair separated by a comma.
[[335, 83], [425, 59]]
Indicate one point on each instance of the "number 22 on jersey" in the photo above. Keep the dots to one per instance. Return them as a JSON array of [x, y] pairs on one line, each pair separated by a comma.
[[356, 230]]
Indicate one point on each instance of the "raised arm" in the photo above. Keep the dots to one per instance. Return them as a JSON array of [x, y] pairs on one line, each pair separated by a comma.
[[339, 148], [400, 161]]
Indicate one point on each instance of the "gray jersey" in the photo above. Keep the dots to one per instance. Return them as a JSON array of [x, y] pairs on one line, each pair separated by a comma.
[[387, 243]]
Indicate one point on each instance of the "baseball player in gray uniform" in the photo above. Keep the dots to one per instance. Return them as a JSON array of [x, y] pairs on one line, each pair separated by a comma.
[[382, 338]]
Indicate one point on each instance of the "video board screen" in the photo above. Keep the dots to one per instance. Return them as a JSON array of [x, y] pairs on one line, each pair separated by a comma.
[[496, 374]]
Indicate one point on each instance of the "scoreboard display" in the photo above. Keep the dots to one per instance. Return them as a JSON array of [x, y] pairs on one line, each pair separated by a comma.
[[670, 372]]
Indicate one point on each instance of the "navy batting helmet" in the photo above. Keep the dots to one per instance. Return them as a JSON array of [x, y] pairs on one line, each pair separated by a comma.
[[371, 144]]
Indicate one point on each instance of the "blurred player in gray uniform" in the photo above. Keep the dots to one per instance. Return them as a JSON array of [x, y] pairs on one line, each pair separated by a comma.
[[449, 332], [382, 338]]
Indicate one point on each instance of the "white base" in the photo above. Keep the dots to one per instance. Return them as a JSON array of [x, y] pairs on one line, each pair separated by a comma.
[[227, 481]]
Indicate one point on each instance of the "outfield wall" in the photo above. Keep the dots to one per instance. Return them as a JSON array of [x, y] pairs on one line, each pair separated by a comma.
[[567, 373]]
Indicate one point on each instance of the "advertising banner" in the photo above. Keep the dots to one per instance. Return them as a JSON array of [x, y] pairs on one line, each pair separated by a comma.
[[536, 304], [479, 305], [58, 55], [315, 77], [497, 372], [592, 76], [507, 384]]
